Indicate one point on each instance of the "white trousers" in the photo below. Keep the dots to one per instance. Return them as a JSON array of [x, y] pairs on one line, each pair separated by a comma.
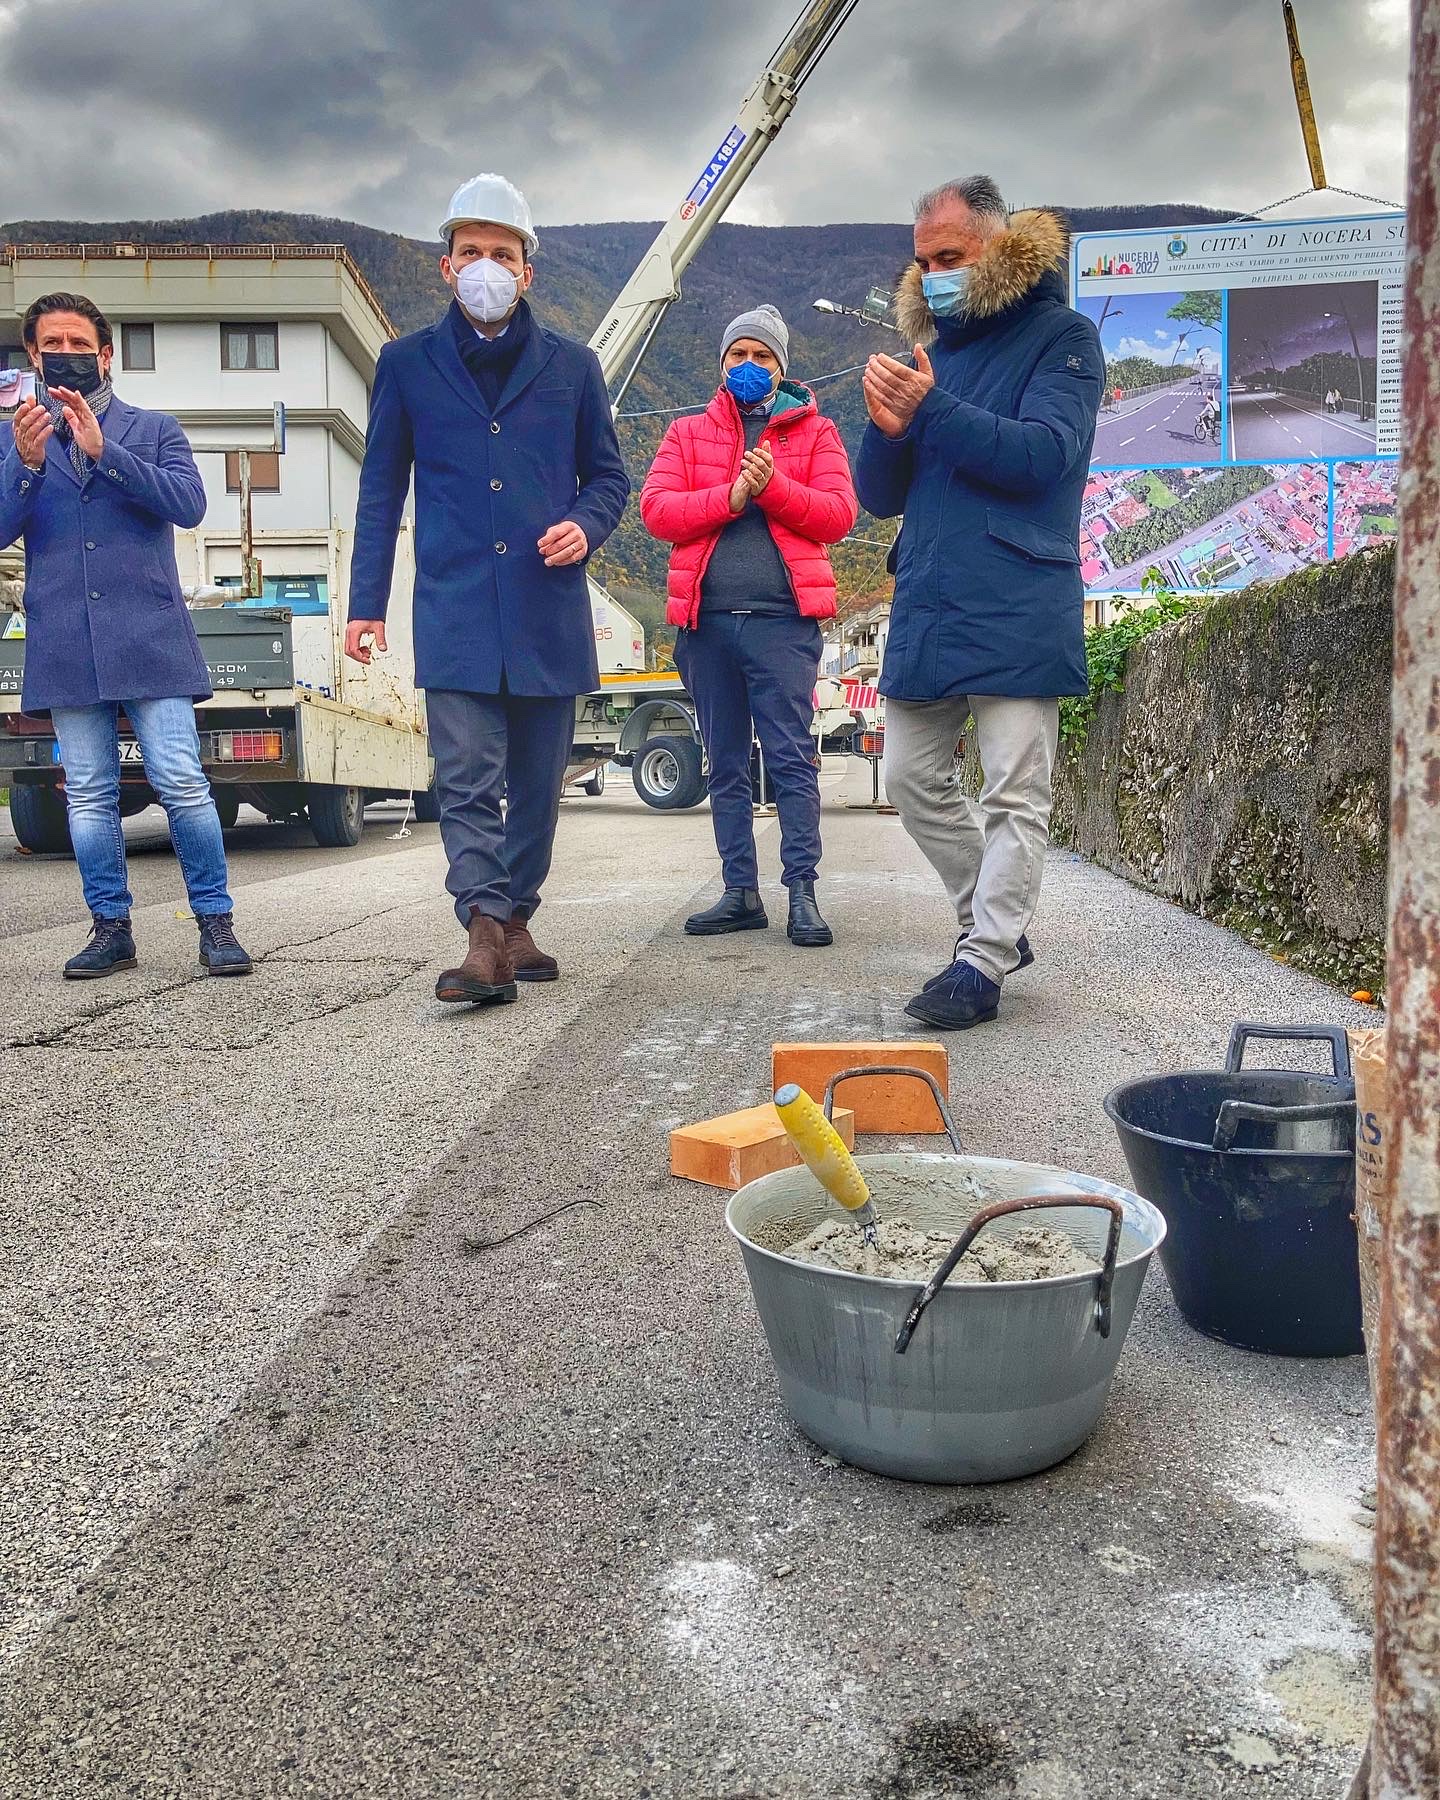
[[989, 854]]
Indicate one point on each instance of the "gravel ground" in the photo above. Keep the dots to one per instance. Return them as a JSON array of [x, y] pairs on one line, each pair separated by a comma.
[[392, 1424]]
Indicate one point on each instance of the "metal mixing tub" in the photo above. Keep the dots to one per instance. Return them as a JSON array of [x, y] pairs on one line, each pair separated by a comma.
[[1002, 1378]]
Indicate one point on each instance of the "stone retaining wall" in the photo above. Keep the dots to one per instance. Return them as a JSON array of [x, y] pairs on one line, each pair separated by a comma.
[[1244, 771]]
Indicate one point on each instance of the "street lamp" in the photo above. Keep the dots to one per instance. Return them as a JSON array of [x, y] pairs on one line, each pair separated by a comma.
[[872, 312]]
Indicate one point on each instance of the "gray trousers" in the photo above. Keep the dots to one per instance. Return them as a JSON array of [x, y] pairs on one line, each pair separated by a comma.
[[990, 855], [489, 747]]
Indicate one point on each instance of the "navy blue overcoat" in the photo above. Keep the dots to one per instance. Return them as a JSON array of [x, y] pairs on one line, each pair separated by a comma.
[[487, 488], [104, 616], [990, 478]]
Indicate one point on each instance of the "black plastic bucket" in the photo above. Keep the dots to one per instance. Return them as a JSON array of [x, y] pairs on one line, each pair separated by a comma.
[[1254, 1170]]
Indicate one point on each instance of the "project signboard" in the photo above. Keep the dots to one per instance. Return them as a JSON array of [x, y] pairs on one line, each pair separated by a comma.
[[1250, 423]]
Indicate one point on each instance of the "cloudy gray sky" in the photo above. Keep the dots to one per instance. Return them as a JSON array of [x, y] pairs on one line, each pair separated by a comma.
[[374, 109]]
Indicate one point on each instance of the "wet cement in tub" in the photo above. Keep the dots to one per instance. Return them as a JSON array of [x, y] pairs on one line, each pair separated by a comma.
[[905, 1253]]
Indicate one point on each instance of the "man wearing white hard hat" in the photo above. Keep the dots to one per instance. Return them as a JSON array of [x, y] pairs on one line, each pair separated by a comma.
[[506, 426]]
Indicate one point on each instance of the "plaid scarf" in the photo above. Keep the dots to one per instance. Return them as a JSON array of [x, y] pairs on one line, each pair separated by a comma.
[[98, 401]]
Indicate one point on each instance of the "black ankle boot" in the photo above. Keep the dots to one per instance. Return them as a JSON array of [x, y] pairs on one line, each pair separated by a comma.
[[738, 909], [806, 927]]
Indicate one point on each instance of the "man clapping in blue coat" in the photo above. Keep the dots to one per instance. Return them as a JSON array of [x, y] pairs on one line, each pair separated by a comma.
[[95, 489], [518, 480], [983, 444]]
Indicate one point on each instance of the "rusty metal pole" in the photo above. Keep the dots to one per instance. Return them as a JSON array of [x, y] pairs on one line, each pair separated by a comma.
[[1405, 1743]]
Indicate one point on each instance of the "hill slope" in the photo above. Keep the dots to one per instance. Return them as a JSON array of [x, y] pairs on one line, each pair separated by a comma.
[[579, 270]]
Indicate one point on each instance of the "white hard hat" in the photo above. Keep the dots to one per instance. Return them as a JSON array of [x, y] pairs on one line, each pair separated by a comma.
[[491, 200]]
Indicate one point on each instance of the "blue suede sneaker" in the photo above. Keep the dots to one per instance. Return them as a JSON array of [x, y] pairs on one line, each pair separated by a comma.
[[111, 948], [220, 951], [1022, 946], [958, 999]]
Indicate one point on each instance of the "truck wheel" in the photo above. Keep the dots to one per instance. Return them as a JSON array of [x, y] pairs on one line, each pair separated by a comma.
[[337, 815], [595, 786], [227, 805], [669, 774], [427, 807], [39, 818]]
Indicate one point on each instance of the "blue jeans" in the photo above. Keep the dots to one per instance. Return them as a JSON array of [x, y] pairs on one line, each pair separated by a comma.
[[741, 667], [170, 745]]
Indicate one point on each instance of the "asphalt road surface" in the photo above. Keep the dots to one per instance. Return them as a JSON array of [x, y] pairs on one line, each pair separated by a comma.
[[1265, 426], [383, 1420], [1155, 431]]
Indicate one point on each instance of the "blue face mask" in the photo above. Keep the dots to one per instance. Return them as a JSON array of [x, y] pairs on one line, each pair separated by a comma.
[[748, 382], [945, 292]]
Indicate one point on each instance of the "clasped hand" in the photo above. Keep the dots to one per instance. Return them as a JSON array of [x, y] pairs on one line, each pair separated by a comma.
[[34, 428], [756, 468], [894, 391]]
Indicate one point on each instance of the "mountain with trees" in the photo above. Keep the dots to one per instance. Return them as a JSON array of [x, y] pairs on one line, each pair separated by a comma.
[[580, 268]]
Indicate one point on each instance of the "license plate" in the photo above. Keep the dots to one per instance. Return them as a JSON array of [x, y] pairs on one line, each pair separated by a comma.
[[130, 751]]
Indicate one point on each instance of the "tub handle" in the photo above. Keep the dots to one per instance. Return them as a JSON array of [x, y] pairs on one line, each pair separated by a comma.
[[898, 1069], [1333, 1035], [1030, 1203], [1234, 1111]]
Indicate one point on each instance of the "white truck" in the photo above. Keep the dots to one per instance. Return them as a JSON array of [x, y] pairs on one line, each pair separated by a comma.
[[294, 728]]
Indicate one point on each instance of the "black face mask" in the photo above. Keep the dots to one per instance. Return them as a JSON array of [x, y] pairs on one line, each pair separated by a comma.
[[77, 369]]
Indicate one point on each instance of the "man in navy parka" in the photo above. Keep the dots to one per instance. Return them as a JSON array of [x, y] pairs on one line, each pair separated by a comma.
[[984, 446], [518, 481]]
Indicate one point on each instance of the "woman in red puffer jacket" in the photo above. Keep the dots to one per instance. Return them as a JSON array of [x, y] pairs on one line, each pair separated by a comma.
[[750, 492]]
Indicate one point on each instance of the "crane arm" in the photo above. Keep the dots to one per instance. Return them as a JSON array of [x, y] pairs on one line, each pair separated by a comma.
[[623, 335]]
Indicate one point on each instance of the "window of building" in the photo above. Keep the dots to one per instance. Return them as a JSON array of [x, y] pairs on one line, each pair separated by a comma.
[[137, 346], [249, 346], [264, 472], [13, 356]]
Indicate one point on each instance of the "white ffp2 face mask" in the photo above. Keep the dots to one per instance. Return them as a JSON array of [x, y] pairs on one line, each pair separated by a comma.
[[487, 289]]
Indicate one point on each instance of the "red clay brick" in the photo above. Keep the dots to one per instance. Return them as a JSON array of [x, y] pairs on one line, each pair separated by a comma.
[[740, 1147], [881, 1103]]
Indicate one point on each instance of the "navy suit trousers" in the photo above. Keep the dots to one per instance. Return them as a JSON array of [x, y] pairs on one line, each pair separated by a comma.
[[489, 747], [744, 667]]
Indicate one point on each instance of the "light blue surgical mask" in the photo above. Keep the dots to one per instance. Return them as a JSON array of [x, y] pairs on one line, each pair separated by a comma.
[[945, 291]]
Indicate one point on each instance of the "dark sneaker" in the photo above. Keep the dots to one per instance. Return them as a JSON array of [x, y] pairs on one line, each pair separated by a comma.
[[958, 999], [1022, 945], [737, 909], [805, 926], [220, 951], [111, 948]]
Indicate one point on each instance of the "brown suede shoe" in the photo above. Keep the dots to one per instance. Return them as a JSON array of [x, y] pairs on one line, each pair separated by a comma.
[[487, 976], [531, 962]]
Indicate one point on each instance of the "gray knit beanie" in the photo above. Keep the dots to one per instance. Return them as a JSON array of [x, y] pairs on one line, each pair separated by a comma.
[[764, 324]]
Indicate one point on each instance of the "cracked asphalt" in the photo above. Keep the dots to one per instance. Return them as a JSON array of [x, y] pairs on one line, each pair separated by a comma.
[[384, 1420]]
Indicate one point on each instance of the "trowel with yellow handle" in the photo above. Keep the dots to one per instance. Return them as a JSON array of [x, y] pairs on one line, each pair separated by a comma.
[[823, 1152]]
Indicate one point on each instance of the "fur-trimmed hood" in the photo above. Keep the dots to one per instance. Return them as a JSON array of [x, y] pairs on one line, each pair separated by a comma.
[[1033, 243]]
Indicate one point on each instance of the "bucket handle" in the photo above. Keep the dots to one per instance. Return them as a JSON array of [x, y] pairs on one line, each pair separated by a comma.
[[1333, 1035], [1030, 1203], [897, 1069], [1233, 1111]]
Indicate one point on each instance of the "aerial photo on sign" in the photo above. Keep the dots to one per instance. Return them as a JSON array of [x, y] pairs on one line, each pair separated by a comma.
[[1251, 398]]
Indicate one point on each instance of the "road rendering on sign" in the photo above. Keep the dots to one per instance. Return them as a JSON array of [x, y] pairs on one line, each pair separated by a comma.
[[1147, 432], [1266, 424]]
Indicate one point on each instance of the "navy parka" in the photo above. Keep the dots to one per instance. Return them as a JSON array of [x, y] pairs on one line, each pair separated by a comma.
[[990, 478]]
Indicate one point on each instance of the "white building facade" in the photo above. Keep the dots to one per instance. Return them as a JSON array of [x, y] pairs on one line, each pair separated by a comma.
[[216, 335]]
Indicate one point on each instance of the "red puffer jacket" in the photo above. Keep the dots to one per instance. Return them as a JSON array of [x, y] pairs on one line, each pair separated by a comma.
[[809, 501]]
